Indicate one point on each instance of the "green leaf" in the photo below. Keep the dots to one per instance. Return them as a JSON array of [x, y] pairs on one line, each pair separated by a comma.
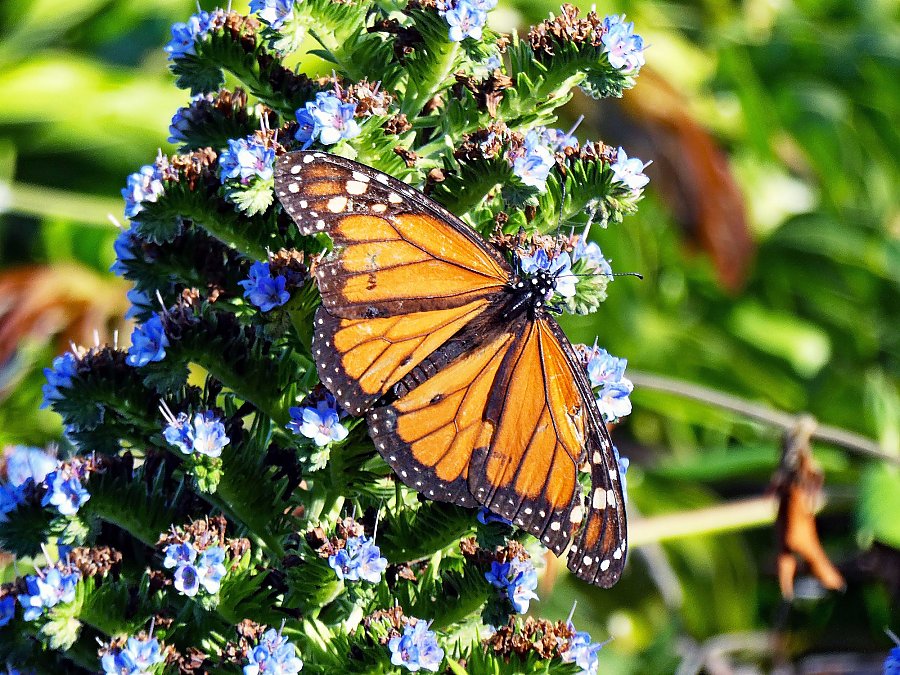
[[879, 504]]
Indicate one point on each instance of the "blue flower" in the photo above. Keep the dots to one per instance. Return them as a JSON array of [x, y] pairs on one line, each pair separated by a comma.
[[517, 579], [485, 517], [465, 20], [273, 12], [582, 652], [185, 35], [211, 568], [124, 246], [185, 119], [417, 649], [140, 303], [629, 172], [47, 589], [590, 252], [624, 49], [273, 655], [7, 609], [59, 376], [623, 463], [10, 498], [532, 164], [360, 559], [148, 343], [24, 463], [264, 290], [145, 185], [498, 574], [321, 424], [558, 140], [65, 492], [179, 554], [187, 580], [327, 119], [135, 658], [205, 435], [246, 159], [560, 268], [892, 662], [607, 375]]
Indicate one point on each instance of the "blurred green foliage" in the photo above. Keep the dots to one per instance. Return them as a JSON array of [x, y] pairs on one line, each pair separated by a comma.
[[803, 97]]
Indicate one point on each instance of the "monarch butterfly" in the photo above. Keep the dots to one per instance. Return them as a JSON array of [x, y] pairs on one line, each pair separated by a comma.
[[471, 390]]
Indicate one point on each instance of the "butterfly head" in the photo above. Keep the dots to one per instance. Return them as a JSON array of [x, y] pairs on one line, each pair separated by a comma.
[[543, 276]]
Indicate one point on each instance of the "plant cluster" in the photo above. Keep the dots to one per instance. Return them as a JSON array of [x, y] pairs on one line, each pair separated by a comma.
[[219, 511]]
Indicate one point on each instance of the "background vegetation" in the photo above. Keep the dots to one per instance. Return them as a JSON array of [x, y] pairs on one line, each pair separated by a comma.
[[770, 245]]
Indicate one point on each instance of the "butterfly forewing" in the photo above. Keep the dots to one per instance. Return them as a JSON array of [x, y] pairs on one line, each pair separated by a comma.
[[468, 402]]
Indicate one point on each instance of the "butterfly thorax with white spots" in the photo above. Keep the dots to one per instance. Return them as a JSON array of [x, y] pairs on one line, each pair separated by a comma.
[[530, 292]]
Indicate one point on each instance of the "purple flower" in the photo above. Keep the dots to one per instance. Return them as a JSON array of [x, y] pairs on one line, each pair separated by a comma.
[[273, 655], [65, 492], [205, 435], [145, 185], [24, 463], [59, 376], [624, 49], [185, 35], [582, 652], [321, 424], [485, 517], [137, 657], [47, 589], [465, 20], [417, 649], [179, 554], [246, 159], [7, 609], [629, 172], [607, 375], [148, 343], [273, 12], [264, 290]]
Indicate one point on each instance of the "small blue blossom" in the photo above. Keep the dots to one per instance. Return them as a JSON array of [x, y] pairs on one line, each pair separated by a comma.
[[360, 559], [7, 609], [533, 162], [211, 568], [65, 492], [892, 662], [185, 35], [321, 424], [187, 580], [273, 12], [629, 172], [136, 657], [204, 435], [179, 554], [184, 119], [590, 252], [417, 649], [493, 62], [25, 463], [558, 140], [48, 588], [145, 185], [264, 290], [623, 463], [125, 246], [607, 375], [59, 376], [246, 159], [140, 303], [624, 49], [485, 517], [10, 498], [148, 343], [327, 119], [560, 268], [582, 652], [465, 20], [517, 579], [274, 655]]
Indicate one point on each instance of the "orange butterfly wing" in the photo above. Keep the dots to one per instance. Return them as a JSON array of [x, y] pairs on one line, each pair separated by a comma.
[[488, 409]]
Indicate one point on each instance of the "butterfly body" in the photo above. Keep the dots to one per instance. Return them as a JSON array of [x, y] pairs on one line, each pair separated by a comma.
[[471, 390]]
